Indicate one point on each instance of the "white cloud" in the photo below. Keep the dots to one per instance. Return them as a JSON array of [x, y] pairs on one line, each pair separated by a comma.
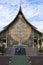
[[30, 12], [40, 11], [9, 9], [38, 25], [34, 10], [9, 2], [1, 28]]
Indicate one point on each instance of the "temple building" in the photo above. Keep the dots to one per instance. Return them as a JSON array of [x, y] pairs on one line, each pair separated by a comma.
[[20, 31]]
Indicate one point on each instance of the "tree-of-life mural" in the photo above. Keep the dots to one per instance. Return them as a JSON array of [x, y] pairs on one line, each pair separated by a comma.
[[20, 31]]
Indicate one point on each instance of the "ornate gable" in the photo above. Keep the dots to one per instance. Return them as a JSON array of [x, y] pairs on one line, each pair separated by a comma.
[[20, 30]]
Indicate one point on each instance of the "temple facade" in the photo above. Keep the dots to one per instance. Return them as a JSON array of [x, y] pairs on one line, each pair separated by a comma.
[[20, 31]]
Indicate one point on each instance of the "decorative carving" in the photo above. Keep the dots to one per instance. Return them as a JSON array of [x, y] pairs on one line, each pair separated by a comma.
[[20, 30]]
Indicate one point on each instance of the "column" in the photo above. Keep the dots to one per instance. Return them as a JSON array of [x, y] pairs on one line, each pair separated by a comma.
[[42, 41], [33, 38], [6, 40], [38, 41]]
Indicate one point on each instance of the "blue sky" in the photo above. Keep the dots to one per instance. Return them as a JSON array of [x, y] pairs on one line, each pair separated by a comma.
[[32, 9]]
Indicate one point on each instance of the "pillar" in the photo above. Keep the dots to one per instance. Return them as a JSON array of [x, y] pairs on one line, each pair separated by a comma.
[[38, 41], [6, 40], [42, 41], [33, 38]]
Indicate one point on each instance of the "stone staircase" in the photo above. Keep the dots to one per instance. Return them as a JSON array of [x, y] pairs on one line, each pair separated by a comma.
[[10, 51], [29, 51]]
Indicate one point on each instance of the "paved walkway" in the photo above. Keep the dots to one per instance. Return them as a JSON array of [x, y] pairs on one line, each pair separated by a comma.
[[20, 60]]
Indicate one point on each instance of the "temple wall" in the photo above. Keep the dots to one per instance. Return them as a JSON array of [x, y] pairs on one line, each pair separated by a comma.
[[20, 31]]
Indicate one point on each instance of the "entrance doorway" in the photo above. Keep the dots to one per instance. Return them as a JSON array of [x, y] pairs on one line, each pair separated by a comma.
[[35, 42], [20, 51]]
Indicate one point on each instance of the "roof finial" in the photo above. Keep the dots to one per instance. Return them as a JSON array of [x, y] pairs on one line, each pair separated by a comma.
[[20, 6], [20, 3]]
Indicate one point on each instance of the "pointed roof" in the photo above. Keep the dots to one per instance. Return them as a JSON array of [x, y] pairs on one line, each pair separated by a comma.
[[19, 12]]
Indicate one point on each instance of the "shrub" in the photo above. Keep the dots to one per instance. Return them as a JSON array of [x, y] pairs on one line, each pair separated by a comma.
[[40, 50], [0, 49], [3, 49]]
